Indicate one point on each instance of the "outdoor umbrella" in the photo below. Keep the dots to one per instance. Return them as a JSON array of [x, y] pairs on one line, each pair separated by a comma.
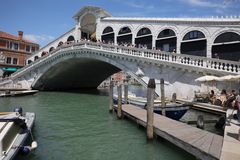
[[207, 78]]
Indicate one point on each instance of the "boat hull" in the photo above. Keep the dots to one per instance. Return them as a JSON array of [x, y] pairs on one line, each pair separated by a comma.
[[21, 137], [173, 110]]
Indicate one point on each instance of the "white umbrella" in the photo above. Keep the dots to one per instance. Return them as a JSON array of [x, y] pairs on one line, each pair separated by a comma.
[[206, 78], [229, 78]]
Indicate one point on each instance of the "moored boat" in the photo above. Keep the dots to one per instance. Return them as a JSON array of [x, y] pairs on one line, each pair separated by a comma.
[[14, 130], [172, 110]]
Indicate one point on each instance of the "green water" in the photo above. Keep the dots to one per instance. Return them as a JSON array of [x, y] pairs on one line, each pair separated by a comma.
[[77, 126]]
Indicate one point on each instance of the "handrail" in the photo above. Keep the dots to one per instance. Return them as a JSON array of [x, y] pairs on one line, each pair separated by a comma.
[[189, 60]]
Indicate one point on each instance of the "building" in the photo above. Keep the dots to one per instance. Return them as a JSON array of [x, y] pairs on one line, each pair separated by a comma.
[[14, 50], [213, 37]]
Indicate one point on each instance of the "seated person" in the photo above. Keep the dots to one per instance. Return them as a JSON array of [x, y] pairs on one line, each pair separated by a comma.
[[212, 97], [223, 96], [230, 99], [237, 106]]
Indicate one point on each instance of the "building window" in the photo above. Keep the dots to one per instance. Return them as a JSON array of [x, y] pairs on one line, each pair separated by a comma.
[[33, 49], [15, 46], [9, 59], [15, 60], [27, 48], [9, 45]]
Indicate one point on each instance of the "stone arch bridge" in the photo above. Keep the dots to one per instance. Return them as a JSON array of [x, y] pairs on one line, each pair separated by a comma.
[[87, 64]]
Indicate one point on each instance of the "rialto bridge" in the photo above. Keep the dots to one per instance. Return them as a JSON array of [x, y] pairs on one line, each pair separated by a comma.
[[176, 49]]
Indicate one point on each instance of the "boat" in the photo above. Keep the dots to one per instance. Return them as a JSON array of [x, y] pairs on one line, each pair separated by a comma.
[[9, 93], [14, 130], [173, 110]]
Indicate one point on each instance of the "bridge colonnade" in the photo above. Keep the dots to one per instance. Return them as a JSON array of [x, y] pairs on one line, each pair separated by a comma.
[[207, 37]]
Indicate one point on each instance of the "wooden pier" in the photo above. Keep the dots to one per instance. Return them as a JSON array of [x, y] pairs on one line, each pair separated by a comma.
[[202, 144], [231, 143]]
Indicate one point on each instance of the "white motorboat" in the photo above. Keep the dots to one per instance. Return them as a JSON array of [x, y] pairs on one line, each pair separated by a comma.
[[14, 130]]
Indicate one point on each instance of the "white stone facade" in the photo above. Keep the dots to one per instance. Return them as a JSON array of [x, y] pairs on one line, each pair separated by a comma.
[[94, 19]]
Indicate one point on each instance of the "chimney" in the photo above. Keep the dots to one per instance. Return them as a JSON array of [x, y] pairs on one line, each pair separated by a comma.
[[20, 35]]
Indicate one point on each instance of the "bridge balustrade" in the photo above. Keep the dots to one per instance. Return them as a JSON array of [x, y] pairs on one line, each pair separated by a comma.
[[203, 62]]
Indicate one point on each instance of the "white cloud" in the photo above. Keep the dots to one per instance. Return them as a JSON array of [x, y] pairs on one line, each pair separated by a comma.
[[40, 39], [205, 3]]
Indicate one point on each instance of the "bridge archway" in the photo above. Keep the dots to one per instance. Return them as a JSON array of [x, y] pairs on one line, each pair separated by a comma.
[[51, 49], [108, 35], [194, 43], [60, 43], [35, 58], [70, 39], [88, 25], [166, 40], [144, 38], [124, 36], [75, 71], [227, 46]]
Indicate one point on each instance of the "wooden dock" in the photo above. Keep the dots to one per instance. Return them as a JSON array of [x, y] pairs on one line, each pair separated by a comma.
[[231, 144], [202, 144], [206, 107]]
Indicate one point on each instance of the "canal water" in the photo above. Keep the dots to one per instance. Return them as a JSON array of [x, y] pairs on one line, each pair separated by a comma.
[[78, 126]]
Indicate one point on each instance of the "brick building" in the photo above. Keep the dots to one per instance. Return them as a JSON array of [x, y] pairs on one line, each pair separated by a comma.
[[14, 50]]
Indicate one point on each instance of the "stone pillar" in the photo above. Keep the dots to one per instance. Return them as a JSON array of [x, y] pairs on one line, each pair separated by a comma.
[[162, 97], [153, 42], [209, 49], [150, 103], [178, 47], [125, 91], [111, 96], [119, 110]]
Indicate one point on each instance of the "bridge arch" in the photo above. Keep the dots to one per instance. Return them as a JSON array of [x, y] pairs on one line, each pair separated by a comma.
[[87, 25], [70, 39], [144, 38], [166, 40], [74, 70], [60, 43], [227, 46], [108, 35], [194, 43], [124, 35], [51, 49]]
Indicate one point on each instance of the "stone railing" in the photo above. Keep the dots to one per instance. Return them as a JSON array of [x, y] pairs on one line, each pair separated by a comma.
[[203, 62], [195, 61]]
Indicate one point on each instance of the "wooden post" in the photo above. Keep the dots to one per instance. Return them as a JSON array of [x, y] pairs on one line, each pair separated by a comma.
[[119, 110], [125, 91], [174, 97], [239, 134], [150, 103], [163, 97], [111, 96]]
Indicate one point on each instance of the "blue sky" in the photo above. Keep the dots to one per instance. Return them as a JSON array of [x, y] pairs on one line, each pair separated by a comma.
[[44, 20]]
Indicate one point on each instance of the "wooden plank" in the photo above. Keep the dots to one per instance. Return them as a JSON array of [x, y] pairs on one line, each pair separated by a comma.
[[216, 146], [231, 145], [196, 141]]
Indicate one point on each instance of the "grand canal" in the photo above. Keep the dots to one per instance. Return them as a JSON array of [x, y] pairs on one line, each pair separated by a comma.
[[77, 125]]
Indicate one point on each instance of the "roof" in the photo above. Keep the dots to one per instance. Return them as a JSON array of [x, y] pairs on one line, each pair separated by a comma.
[[212, 19], [13, 37], [93, 9]]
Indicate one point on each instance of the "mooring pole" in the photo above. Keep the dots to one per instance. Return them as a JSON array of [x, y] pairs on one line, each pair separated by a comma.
[[111, 96], [125, 91], [174, 97], [150, 103], [163, 97], [119, 110]]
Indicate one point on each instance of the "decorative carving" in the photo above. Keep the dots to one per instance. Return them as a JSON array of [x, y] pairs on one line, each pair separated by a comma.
[[2, 57]]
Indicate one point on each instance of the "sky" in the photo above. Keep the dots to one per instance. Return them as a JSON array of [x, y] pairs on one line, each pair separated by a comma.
[[44, 20]]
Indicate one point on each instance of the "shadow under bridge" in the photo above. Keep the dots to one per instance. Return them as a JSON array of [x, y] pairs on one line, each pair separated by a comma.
[[75, 74]]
